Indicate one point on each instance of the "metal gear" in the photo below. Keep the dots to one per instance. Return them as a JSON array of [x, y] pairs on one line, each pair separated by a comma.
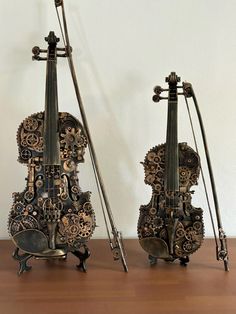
[[73, 138], [32, 140], [187, 246], [18, 207], [30, 124], [22, 222], [191, 234]]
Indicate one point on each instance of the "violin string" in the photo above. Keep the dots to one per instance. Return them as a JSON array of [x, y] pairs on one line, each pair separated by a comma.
[[203, 176], [90, 151]]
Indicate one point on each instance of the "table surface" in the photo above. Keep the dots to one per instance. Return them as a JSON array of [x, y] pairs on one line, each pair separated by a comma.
[[56, 286]]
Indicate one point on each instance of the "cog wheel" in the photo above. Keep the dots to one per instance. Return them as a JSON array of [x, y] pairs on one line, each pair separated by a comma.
[[158, 222], [180, 233], [25, 154], [18, 207], [184, 174], [32, 140], [76, 226], [87, 206], [197, 225], [151, 156], [22, 222], [191, 234], [73, 138], [30, 124], [86, 224], [150, 179], [187, 246]]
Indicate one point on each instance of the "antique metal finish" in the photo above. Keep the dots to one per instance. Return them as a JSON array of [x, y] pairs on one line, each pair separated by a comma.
[[52, 216], [169, 227]]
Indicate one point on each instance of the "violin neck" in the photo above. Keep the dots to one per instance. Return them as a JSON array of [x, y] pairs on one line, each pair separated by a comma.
[[51, 154], [172, 149]]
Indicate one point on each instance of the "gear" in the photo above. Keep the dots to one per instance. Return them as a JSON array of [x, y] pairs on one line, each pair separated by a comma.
[[197, 225], [150, 179], [75, 189], [87, 207], [157, 187], [184, 174], [32, 139], [188, 246], [191, 234], [28, 196], [18, 207], [73, 138], [158, 222], [74, 227], [86, 224], [26, 154], [180, 233], [30, 124], [22, 222], [151, 156]]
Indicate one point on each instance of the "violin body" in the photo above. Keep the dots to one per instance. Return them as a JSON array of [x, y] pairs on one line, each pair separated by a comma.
[[76, 220], [154, 229], [169, 227]]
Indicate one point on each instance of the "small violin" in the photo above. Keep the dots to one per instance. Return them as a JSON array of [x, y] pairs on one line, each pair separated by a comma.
[[170, 227]]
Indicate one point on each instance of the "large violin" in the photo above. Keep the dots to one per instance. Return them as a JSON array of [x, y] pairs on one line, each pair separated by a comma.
[[52, 216], [169, 226]]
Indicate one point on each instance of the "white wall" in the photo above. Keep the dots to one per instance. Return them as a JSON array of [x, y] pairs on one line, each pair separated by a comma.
[[122, 49]]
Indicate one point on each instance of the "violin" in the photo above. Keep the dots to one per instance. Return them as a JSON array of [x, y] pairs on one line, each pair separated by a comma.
[[52, 216], [170, 227]]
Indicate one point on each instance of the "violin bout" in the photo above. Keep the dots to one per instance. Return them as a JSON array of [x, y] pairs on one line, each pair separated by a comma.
[[169, 231], [51, 222]]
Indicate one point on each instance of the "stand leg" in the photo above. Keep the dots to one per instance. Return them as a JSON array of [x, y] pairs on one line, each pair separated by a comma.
[[184, 260], [22, 259], [152, 260], [82, 257]]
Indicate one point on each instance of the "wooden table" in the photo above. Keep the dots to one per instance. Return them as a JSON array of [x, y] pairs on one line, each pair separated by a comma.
[[57, 287]]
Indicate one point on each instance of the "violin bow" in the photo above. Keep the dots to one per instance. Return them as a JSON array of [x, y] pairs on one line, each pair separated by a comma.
[[114, 237], [222, 251]]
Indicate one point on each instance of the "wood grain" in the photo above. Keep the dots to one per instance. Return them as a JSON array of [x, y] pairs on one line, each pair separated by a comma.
[[58, 287]]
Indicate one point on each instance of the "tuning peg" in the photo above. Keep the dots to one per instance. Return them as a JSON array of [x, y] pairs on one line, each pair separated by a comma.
[[36, 52], [158, 90], [157, 98]]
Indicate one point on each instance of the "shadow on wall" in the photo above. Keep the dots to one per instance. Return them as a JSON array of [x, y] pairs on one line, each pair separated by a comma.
[[118, 166]]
